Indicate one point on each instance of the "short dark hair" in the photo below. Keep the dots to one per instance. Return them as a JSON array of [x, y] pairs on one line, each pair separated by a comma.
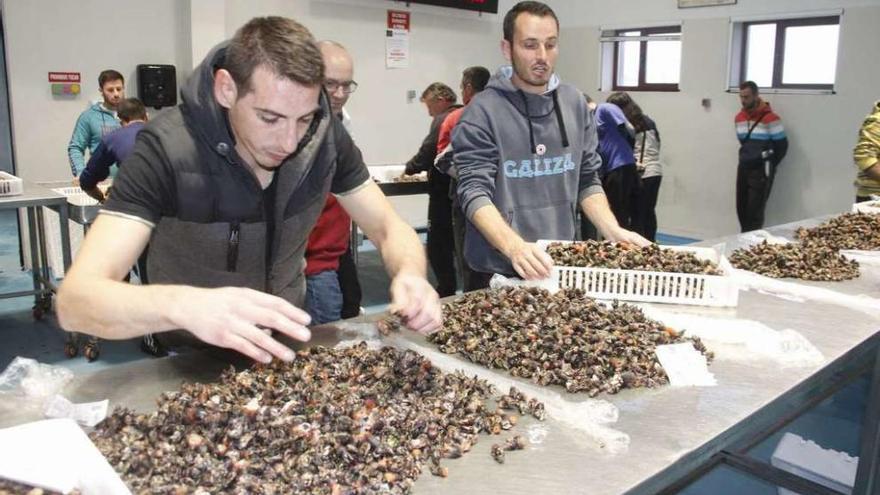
[[282, 45], [440, 91], [751, 85], [109, 75], [131, 109], [620, 98], [476, 77], [535, 8]]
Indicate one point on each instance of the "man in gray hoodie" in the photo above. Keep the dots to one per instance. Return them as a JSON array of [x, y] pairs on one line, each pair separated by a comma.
[[526, 156]]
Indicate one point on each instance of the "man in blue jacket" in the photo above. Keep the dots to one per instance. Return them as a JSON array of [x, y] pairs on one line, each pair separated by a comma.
[[98, 120], [525, 149], [114, 147]]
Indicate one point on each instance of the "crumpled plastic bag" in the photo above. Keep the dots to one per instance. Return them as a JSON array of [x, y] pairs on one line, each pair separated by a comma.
[[33, 381]]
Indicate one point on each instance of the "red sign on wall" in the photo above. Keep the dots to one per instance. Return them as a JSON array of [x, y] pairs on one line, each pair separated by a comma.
[[64, 77], [398, 19]]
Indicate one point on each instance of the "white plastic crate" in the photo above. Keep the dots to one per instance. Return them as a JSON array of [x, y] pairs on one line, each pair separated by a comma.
[[804, 458], [52, 233], [10, 185], [76, 196], [872, 206], [654, 287]]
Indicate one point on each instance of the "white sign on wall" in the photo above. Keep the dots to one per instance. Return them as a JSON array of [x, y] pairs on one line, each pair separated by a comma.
[[397, 40]]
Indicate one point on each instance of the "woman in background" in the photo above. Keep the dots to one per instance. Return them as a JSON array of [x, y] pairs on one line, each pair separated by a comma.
[[647, 155]]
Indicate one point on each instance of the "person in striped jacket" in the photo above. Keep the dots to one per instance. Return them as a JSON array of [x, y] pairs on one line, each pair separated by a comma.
[[867, 157], [763, 145]]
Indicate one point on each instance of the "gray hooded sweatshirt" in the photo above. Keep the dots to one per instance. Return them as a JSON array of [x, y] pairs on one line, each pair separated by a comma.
[[533, 156]]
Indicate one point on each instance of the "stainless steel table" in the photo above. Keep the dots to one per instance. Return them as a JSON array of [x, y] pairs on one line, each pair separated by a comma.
[[32, 200], [675, 433], [388, 189]]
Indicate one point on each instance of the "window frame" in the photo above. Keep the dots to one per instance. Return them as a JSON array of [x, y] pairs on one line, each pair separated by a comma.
[[779, 51], [643, 60]]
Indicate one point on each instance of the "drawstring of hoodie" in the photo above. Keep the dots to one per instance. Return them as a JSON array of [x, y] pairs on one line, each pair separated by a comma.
[[529, 120], [559, 121]]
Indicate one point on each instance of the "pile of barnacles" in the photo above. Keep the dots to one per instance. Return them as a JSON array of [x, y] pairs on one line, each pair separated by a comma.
[[606, 254], [333, 421], [816, 256], [848, 231], [562, 339], [802, 261]]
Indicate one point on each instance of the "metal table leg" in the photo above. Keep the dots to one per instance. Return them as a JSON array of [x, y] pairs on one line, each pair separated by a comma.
[[63, 216], [32, 237], [45, 272]]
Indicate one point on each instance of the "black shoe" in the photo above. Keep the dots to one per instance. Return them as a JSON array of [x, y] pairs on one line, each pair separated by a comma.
[[153, 347]]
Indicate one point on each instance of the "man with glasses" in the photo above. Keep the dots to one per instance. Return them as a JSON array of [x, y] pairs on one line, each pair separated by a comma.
[[333, 291]]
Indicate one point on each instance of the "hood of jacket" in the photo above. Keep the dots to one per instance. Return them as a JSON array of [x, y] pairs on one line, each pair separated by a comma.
[[100, 108], [197, 95], [530, 105]]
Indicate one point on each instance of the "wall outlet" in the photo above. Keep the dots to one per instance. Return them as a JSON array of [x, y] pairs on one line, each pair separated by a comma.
[[410, 95]]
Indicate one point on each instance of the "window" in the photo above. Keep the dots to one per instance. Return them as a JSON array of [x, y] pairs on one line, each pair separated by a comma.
[[642, 59], [798, 54]]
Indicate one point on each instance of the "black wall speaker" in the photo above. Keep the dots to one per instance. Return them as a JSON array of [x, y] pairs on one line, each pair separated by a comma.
[[157, 85]]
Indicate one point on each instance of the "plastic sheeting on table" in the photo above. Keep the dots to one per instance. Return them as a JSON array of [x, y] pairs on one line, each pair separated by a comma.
[[55, 454]]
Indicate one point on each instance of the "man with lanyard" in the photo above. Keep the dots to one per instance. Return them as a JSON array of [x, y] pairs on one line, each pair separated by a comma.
[[525, 149], [226, 188]]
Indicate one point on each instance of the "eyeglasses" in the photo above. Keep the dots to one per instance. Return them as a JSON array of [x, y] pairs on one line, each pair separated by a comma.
[[348, 87]]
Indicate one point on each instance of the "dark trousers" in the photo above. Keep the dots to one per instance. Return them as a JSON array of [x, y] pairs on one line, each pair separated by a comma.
[[441, 242], [479, 280], [349, 285], [459, 226], [621, 186], [753, 187], [644, 216], [588, 230]]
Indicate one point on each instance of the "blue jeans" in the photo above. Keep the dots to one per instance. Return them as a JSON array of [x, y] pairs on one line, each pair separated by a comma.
[[323, 297]]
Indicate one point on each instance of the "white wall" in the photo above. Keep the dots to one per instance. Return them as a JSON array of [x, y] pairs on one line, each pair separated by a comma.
[[90, 35], [699, 145], [442, 43], [84, 36]]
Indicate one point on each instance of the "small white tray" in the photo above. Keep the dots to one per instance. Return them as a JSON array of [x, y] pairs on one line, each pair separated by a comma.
[[655, 287], [10, 185], [872, 206]]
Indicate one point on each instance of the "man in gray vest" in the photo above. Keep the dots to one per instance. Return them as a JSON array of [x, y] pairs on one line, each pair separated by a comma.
[[226, 188]]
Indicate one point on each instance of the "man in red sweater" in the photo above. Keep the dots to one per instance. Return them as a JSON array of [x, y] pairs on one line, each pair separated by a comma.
[[473, 80], [332, 288]]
